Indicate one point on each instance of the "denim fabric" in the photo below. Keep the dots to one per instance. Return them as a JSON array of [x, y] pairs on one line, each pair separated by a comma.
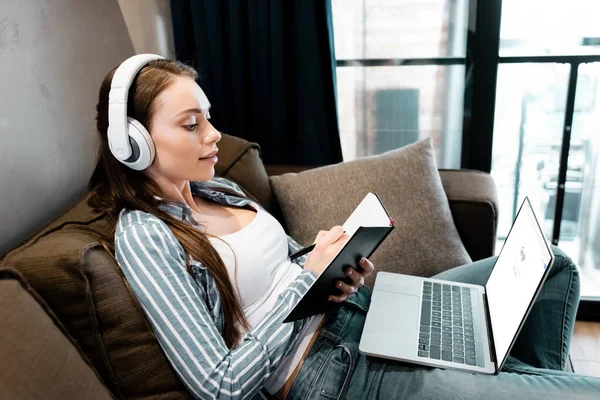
[[334, 368]]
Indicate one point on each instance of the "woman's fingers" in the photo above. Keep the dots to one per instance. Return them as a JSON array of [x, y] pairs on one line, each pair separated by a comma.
[[357, 278], [367, 267], [347, 289]]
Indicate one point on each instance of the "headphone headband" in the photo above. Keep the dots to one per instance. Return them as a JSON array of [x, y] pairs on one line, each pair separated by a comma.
[[118, 127]]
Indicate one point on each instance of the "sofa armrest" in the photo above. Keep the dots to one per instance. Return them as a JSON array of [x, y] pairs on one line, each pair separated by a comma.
[[474, 204]]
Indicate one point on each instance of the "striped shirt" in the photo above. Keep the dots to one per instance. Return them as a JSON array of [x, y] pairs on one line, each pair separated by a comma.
[[184, 309]]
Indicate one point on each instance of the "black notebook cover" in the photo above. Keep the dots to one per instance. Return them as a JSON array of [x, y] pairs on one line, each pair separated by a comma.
[[362, 244]]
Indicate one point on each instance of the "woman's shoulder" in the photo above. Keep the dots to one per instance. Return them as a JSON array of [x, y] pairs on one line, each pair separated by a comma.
[[130, 217], [136, 227]]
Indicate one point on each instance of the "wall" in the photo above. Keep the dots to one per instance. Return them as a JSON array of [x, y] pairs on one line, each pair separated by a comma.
[[149, 25], [53, 57]]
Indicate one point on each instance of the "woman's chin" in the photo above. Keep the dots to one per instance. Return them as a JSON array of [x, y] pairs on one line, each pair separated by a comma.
[[206, 175]]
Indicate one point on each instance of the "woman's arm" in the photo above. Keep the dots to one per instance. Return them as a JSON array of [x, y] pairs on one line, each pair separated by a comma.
[[154, 265]]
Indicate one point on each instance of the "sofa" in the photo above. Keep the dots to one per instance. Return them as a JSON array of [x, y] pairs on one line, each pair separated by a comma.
[[71, 327]]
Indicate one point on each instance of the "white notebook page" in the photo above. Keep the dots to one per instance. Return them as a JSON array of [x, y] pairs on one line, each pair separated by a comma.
[[369, 212]]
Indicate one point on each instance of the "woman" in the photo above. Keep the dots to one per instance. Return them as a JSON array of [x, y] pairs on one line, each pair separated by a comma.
[[209, 267]]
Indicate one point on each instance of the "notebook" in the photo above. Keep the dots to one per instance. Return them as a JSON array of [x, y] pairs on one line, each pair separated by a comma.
[[368, 226]]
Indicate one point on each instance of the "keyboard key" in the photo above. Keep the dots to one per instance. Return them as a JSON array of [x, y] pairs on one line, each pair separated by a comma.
[[458, 360], [422, 353], [446, 355], [470, 346], [447, 318], [470, 352], [424, 335], [436, 308], [436, 319], [470, 361], [447, 329], [436, 324], [425, 312], [468, 329], [458, 353], [446, 341], [446, 288], [423, 341], [425, 328], [436, 335], [436, 314], [446, 347], [436, 342], [427, 283], [455, 288], [424, 347], [434, 352], [437, 288]]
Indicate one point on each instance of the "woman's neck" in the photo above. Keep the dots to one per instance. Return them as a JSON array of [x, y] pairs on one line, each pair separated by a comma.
[[179, 192]]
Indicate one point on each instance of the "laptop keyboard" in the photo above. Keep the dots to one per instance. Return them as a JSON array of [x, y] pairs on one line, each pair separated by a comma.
[[446, 330]]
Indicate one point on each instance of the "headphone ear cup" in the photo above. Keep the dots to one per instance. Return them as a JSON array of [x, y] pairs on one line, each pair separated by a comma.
[[141, 141]]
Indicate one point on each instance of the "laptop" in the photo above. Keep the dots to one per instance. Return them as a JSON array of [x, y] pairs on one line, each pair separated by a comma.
[[460, 326]]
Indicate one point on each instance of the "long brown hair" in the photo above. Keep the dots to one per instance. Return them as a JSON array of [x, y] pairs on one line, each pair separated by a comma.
[[113, 186]]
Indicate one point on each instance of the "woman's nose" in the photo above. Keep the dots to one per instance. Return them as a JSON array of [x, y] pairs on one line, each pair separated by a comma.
[[213, 135]]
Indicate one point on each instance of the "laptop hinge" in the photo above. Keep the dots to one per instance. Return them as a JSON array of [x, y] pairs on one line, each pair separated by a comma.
[[488, 324]]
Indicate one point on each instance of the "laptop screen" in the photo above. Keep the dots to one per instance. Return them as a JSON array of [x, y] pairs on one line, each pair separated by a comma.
[[515, 278]]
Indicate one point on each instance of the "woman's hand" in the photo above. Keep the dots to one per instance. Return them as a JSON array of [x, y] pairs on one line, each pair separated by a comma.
[[358, 280], [327, 245]]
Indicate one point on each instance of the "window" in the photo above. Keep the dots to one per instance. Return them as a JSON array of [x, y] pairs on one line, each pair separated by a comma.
[[383, 105], [539, 56]]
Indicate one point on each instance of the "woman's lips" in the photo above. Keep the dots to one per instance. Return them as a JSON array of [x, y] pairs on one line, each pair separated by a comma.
[[212, 159]]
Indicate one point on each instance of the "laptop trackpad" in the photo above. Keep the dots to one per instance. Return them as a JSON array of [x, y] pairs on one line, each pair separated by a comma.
[[392, 324]]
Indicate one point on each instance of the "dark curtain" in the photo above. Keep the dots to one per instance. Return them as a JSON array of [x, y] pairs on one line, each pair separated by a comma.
[[268, 69]]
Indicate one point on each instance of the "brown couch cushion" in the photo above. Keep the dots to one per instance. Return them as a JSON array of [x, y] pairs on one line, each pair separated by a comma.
[[425, 240], [38, 359], [80, 282]]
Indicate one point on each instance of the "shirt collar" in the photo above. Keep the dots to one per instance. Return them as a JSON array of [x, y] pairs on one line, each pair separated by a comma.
[[182, 211]]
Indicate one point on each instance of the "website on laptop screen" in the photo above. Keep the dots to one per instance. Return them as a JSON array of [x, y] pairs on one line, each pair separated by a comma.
[[515, 278]]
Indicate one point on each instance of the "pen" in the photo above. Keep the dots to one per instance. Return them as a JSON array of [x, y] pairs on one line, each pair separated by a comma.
[[301, 252]]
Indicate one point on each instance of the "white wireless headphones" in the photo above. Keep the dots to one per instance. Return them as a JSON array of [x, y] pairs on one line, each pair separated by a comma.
[[128, 140]]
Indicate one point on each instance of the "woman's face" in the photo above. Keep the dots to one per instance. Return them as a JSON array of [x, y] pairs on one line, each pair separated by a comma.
[[182, 135]]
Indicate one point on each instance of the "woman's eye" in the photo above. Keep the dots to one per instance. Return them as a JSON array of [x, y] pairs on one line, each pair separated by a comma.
[[190, 127]]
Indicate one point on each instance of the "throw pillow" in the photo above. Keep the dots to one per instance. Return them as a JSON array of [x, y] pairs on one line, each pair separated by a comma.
[[425, 240]]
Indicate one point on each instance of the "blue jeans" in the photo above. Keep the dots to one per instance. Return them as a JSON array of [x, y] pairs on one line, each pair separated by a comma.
[[334, 368]]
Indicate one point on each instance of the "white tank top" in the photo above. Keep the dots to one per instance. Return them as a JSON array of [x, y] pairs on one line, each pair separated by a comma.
[[263, 272]]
